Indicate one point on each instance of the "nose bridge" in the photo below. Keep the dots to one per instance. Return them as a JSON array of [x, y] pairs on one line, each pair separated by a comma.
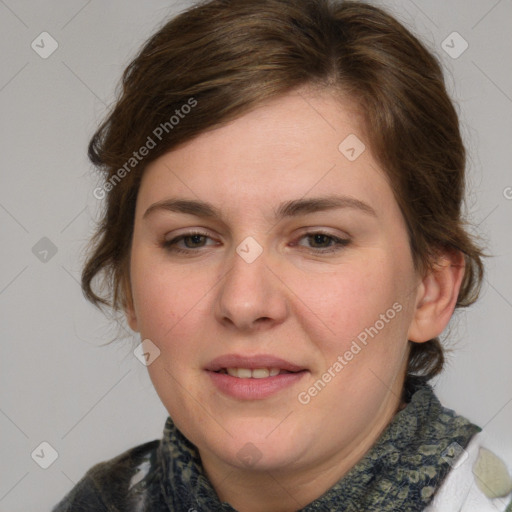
[[250, 293]]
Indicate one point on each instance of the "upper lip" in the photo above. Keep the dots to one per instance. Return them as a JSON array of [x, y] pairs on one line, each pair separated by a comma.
[[251, 362]]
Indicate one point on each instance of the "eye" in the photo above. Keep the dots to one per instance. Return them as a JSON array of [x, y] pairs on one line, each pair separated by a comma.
[[318, 242], [193, 240], [324, 242]]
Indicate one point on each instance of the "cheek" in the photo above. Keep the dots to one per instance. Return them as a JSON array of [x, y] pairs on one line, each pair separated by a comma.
[[341, 305], [161, 295], [172, 306]]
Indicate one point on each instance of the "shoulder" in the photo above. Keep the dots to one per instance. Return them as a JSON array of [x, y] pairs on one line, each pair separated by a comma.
[[479, 480], [105, 486]]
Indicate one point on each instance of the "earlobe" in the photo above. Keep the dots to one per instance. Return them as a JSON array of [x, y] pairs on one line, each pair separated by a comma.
[[128, 307], [437, 297], [131, 318]]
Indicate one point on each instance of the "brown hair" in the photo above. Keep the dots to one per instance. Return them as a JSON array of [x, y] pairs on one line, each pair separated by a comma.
[[225, 57]]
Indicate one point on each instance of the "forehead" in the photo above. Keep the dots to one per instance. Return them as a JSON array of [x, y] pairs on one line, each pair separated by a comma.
[[297, 145]]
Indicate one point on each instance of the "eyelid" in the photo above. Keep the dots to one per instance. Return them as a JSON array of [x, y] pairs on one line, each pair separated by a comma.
[[313, 230], [187, 232], [338, 243], [169, 241]]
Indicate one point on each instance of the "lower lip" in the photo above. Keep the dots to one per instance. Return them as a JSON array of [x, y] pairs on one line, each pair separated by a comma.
[[254, 389]]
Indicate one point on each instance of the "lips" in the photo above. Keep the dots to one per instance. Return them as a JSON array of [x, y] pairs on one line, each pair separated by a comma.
[[253, 377], [253, 363]]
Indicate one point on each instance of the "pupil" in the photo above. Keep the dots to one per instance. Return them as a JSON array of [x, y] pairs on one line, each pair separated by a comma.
[[320, 239], [196, 239]]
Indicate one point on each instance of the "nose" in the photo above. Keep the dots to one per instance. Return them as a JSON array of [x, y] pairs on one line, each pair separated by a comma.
[[251, 296]]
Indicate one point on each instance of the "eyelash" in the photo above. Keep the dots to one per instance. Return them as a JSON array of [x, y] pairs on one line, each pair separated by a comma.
[[340, 243]]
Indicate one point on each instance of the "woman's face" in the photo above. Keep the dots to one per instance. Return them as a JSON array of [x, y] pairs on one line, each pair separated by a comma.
[[271, 267]]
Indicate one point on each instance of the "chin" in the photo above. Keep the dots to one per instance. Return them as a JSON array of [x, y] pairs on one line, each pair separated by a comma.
[[259, 447], [261, 458]]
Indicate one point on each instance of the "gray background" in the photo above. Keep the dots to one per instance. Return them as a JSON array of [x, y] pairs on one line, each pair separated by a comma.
[[91, 402]]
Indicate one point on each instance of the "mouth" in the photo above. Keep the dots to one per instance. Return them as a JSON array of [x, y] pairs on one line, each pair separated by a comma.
[[259, 366], [253, 377], [255, 373]]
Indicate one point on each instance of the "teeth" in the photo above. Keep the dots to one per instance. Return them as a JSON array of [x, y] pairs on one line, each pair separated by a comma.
[[244, 373], [260, 373], [256, 373]]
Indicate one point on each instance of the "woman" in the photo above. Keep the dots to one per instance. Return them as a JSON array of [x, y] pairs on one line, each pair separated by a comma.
[[283, 187]]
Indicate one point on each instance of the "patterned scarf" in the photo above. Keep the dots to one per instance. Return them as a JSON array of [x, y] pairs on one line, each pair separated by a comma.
[[401, 472]]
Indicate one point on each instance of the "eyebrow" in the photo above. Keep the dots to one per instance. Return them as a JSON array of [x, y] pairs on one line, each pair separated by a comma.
[[291, 208]]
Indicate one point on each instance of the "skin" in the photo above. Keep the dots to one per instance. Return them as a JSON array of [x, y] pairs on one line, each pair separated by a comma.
[[293, 301]]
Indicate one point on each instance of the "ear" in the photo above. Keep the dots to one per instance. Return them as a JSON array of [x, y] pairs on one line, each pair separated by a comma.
[[131, 317], [128, 307], [437, 296]]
